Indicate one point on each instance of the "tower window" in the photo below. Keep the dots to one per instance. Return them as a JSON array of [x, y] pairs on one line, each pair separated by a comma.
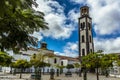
[[90, 50], [89, 26], [90, 39], [83, 24], [83, 52], [83, 39], [55, 60], [84, 10]]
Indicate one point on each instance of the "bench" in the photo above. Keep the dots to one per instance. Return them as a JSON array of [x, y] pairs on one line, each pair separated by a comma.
[[68, 74], [35, 76]]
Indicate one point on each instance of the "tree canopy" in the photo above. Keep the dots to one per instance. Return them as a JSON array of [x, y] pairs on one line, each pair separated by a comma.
[[99, 60], [18, 19], [5, 59], [38, 60], [69, 66], [22, 64]]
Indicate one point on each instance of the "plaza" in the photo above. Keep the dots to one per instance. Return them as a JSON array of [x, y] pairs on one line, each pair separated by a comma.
[[74, 76], [79, 37]]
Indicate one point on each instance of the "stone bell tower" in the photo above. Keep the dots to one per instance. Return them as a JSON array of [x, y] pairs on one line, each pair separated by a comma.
[[85, 32]]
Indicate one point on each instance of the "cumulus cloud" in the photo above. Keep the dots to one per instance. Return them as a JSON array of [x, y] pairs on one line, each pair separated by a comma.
[[71, 49], [56, 19], [106, 19], [37, 35], [59, 53], [74, 14], [78, 1], [107, 45], [106, 16]]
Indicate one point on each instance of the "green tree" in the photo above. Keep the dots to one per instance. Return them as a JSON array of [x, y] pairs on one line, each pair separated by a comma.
[[60, 67], [37, 60], [5, 59], [77, 65], [98, 60], [69, 66], [107, 61], [22, 64], [92, 60], [18, 19]]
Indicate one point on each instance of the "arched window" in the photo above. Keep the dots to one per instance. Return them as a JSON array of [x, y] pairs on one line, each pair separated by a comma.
[[83, 39], [89, 26], [83, 24], [83, 52], [90, 50], [84, 10], [55, 60], [62, 63], [34, 56]]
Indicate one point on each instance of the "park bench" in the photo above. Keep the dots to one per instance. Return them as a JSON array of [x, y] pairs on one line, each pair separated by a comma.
[[35, 76], [68, 73]]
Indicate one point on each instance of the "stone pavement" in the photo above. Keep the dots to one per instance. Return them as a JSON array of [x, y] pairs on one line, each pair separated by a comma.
[[61, 77], [76, 77]]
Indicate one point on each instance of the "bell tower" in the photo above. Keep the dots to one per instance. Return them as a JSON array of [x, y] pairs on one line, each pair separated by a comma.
[[85, 32]]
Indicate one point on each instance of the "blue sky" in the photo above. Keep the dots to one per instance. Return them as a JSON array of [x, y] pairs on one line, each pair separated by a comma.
[[62, 18]]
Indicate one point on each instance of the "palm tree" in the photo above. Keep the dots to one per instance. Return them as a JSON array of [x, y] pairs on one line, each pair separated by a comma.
[[19, 18]]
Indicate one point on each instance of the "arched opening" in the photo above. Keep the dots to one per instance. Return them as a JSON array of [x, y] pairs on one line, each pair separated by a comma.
[[55, 60], [83, 52], [83, 38], [89, 26]]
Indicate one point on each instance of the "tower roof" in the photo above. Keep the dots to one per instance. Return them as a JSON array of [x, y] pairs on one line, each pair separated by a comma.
[[84, 7], [43, 45]]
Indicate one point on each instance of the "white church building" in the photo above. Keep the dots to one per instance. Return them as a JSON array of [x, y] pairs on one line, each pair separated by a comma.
[[53, 61]]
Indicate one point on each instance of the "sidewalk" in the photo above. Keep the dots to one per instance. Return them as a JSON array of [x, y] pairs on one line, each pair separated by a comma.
[[61, 77], [76, 77]]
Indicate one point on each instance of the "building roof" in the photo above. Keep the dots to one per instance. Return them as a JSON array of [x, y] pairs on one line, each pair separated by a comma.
[[67, 58]]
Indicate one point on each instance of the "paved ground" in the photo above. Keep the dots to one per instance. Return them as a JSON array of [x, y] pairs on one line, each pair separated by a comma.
[[76, 77], [61, 77]]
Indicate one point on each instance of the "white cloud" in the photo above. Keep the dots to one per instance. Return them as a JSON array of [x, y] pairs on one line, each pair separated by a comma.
[[37, 35], [107, 45], [58, 28], [73, 15], [106, 19], [71, 49], [78, 1], [106, 16], [56, 19], [59, 53]]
